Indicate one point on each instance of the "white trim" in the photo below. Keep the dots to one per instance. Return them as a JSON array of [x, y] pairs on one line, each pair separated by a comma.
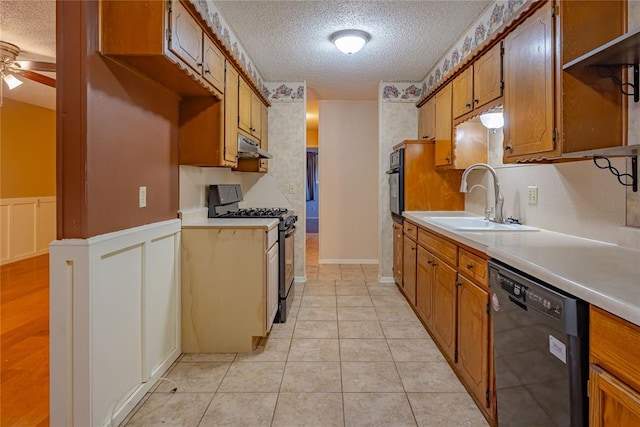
[[300, 279], [386, 280], [347, 261], [27, 226], [114, 321]]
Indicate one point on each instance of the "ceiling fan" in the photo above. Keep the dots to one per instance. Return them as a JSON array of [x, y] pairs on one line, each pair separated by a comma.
[[10, 67]]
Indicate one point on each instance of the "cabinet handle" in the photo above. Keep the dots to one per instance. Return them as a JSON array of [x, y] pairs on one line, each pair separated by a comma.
[[475, 101], [207, 71], [424, 136], [508, 147], [199, 64], [470, 266], [435, 264], [468, 105], [448, 159], [429, 262]]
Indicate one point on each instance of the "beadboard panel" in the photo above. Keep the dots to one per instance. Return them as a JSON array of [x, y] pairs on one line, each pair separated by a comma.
[[115, 302], [27, 226]]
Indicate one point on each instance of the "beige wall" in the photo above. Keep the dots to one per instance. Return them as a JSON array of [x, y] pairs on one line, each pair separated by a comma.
[[348, 176], [27, 150]]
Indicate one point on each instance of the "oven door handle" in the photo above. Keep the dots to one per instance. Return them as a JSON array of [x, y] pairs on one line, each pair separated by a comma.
[[290, 232], [392, 171]]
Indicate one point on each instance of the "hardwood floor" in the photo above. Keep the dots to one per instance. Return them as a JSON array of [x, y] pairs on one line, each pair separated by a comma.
[[24, 342]]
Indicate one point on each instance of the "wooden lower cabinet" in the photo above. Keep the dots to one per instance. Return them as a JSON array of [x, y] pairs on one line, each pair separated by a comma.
[[409, 269], [611, 402], [614, 377], [444, 304], [451, 300], [424, 286], [473, 338], [397, 253]]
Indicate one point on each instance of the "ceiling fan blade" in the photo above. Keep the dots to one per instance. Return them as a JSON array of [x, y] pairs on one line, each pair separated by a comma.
[[37, 77], [36, 66]]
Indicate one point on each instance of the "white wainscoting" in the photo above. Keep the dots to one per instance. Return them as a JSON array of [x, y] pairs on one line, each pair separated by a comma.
[[27, 226], [114, 321]]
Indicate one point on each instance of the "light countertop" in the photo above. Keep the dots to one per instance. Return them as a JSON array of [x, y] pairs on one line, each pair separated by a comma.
[[603, 274]]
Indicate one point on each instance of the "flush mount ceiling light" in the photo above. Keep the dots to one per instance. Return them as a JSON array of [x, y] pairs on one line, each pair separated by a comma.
[[493, 119], [350, 41]]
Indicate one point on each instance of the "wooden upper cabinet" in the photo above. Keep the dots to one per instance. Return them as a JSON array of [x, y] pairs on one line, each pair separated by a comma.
[[244, 106], [231, 116], [213, 69], [186, 36], [444, 126], [427, 120], [478, 84], [160, 39], [462, 93], [529, 128], [487, 77], [256, 116]]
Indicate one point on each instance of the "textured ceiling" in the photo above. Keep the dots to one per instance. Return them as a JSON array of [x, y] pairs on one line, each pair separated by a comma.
[[31, 25], [289, 40]]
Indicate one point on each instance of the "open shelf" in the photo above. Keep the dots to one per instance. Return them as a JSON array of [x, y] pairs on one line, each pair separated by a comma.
[[625, 50]]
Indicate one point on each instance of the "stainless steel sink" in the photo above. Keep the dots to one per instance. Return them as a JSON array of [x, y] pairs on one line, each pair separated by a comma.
[[466, 223]]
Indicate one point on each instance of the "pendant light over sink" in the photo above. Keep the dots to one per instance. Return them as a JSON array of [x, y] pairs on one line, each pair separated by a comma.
[[350, 41]]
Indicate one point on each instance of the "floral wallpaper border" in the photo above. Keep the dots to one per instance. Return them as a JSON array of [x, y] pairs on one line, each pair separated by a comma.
[[218, 25], [284, 91], [491, 19], [401, 91]]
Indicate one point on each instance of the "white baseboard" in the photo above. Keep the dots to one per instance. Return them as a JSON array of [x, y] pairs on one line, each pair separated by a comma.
[[300, 279], [347, 261], [386, 280]]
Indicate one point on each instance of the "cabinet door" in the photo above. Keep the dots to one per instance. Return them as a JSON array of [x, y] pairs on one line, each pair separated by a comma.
[[528, 92], [473, 338], [424, 286], [213, 71], [427, 120], [272, 285], [256, 116], [231, 116], [487, 78], [409, 270], [611, 402], [244, 106], [397, 253], [186, 36], [462, 88], [443, 126], [444, 307], [264, 124]]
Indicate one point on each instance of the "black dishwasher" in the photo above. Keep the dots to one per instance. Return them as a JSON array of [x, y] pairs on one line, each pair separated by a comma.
[[541, 351]]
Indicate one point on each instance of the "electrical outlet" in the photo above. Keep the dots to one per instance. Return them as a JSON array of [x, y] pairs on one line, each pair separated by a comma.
[[142, 197], [533, 195]]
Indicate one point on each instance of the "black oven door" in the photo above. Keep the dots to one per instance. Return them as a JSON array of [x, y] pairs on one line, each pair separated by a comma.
[[395, 191], [289, 258]]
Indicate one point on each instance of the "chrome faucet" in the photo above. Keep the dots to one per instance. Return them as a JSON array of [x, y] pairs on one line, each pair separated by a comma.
[[499, 199]]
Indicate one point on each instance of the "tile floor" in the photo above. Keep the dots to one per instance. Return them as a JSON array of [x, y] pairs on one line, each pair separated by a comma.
[[352, 354]]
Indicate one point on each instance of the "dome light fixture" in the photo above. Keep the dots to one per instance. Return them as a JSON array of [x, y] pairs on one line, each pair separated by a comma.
[[493, 119], [350, 41]]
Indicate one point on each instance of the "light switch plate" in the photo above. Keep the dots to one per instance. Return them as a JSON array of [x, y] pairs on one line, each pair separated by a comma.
[[533, 195], [142, 197]]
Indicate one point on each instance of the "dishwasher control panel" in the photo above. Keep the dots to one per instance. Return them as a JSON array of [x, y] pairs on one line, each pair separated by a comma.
[[530, 297]]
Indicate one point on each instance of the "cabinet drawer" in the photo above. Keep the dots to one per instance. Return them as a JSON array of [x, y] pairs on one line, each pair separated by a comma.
[[615, 345], [439, 246], [272, 236], [410, 230], [473, 267]]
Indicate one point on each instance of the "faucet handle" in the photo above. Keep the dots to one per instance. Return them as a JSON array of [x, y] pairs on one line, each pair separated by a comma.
[[488, 213], [512, 220]]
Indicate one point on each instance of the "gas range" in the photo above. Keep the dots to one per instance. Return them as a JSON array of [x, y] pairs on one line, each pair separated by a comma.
[[223, 203]]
